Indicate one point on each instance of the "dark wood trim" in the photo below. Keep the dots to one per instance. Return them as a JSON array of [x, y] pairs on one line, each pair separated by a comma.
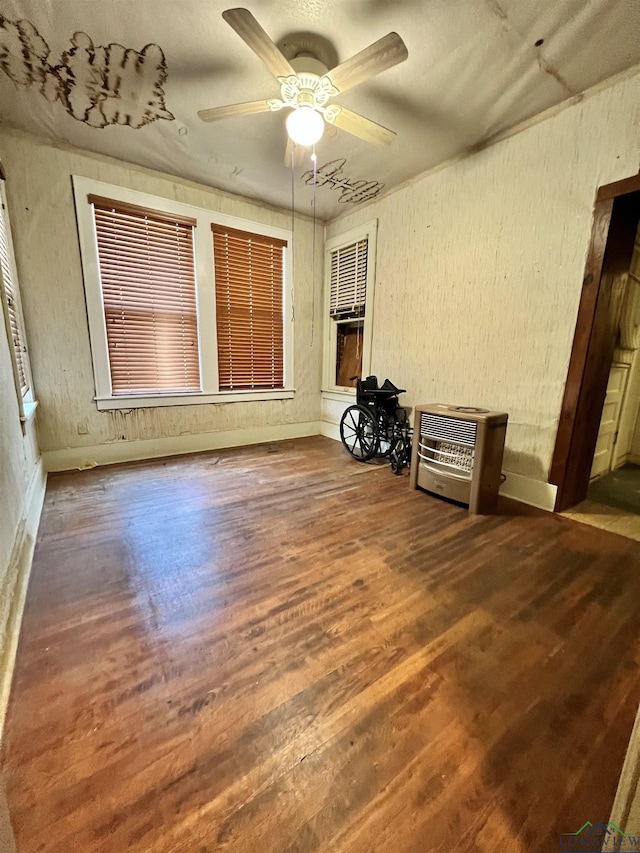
[[618, 188], [615, 224], [581, 338]]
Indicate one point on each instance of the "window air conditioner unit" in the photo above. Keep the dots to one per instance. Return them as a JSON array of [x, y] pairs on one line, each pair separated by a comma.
[[457, 453]]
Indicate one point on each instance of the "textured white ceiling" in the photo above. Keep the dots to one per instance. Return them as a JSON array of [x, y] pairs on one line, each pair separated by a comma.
[[473, 70]]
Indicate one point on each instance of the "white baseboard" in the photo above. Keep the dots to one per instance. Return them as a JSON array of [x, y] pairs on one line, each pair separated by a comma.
[[16, 581], [516, 487], [130, 451], [528, 491], [330, 430], [633, 459]]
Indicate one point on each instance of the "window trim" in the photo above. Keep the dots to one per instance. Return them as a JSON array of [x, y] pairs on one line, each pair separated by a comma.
[[205, 295], [190, 399], [27, 403], [368, 231]]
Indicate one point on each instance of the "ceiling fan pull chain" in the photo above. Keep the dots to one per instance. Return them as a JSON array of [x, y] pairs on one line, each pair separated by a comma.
[[293, 233], [314, 159]]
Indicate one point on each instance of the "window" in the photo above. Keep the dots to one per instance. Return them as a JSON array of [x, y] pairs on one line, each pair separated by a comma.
[[147, 272], [349, 279], [248, 271], [13, 311], [348, 296], [176, 316], [347, 304]]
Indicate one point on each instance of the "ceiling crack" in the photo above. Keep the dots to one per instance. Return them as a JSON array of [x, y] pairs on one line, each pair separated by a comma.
[[497, 9], [549, 69]]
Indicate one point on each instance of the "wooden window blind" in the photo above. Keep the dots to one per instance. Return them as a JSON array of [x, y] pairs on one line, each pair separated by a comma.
[[147, 274], [249, 309], [10, 291], [348, 292]]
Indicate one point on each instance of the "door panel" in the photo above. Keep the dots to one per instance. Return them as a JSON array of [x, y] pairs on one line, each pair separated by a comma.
[[610, 420]]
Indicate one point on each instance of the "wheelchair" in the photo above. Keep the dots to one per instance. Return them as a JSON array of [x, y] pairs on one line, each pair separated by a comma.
[[376, 426]]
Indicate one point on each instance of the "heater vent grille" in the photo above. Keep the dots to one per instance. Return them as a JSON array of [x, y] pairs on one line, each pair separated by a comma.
[[448, 429]]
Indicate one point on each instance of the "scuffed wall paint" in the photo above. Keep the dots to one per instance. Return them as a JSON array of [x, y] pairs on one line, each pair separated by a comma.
[[18, 459], [480, 266], [48, 260], [20, 479]]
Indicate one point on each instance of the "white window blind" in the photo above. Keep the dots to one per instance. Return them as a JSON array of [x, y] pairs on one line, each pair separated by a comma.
[[147, 276], [10, 291], [249, 308], [348, 292]]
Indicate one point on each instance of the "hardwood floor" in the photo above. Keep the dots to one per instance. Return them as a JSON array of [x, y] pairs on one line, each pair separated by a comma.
[[280, 649]]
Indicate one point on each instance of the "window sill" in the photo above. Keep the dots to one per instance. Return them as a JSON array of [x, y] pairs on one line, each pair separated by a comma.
[[339, 394], [28, 411], [108, 403]]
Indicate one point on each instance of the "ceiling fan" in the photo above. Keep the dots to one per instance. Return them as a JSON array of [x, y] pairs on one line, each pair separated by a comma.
[[306, 85]]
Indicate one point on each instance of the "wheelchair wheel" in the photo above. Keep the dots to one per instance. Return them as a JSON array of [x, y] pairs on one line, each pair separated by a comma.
[[386, 434], [359, 432]]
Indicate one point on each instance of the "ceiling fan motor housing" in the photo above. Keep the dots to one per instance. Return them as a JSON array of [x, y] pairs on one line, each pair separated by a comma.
[[309, 86], [307, 63]]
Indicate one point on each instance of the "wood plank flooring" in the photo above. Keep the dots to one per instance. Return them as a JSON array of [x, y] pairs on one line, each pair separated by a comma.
[[279, 649]]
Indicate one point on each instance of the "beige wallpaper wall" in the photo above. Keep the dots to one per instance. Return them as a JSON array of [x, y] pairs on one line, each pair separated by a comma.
[[480, 266], [479, 272], [43, 217]]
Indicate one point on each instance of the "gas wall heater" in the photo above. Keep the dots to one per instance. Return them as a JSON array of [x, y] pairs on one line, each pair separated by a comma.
[[457, 453]]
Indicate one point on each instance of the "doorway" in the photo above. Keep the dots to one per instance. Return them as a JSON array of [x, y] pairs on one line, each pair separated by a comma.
[[598, 421]]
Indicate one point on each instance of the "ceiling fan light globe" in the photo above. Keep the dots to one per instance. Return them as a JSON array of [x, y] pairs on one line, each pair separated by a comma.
[[305, 126]]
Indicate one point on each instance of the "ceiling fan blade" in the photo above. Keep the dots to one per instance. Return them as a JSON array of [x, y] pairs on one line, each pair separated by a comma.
[[298, 154], [252, 33], [246, 109], [382, 54], [362, 127]]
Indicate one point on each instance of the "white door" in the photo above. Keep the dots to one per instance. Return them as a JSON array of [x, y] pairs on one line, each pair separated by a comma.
[[610, 420]]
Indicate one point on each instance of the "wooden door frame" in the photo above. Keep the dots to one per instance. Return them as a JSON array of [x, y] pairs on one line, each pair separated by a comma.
[[616, 214]]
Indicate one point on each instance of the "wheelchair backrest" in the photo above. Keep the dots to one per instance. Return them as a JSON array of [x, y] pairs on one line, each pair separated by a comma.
[[364, 387], [370, 394]]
